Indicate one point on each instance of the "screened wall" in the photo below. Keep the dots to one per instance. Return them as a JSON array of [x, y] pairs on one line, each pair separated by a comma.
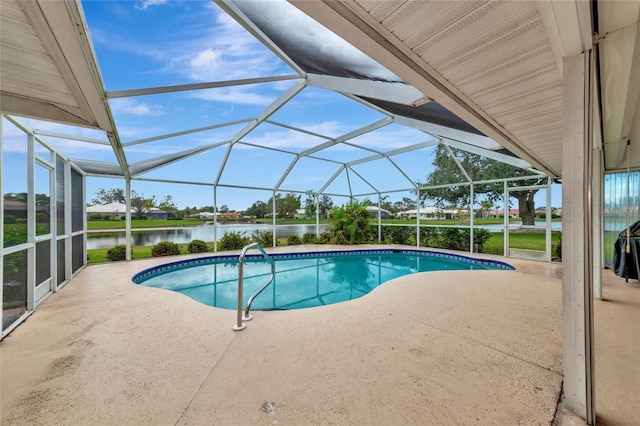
[[621, 207], [42, 221]]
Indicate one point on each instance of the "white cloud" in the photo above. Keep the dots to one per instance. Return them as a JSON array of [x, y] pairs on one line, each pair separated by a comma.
[[293, 140], [15, 140], [283, 139], [213, 47], [226, 51], [237, 95], [329, 128], [387, 140], [146, 4], [203, 62], [129, 106]]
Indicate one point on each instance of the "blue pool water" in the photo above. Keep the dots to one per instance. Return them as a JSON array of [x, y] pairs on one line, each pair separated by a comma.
[[302, 280]]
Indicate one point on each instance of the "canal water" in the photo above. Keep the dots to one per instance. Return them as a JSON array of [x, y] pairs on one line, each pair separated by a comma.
[[186, 235], [205, 233]]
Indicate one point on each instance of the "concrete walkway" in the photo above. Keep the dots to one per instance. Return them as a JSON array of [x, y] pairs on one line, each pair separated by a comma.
[[472, 347]]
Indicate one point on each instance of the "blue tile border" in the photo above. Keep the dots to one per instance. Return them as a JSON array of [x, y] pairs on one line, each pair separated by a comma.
[[142, 276]]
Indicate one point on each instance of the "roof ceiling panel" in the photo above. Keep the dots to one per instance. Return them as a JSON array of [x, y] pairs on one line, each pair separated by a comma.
[[27, 68], [55, 78], [310, 45], [17, 31], [431, 112]]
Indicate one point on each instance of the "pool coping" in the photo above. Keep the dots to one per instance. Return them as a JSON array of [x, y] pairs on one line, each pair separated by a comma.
[[148, 273]]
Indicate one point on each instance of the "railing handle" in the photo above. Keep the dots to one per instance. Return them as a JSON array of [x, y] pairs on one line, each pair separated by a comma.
[[239, 324]]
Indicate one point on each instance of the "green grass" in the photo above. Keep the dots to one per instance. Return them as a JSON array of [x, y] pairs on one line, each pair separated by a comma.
[[139, 252], [443, 222], [526, 241]]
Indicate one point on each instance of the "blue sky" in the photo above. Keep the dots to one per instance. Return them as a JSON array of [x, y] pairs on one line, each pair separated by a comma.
[[150, 43]]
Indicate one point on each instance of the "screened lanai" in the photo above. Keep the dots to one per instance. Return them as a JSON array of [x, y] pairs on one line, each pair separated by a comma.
[[346, 99]]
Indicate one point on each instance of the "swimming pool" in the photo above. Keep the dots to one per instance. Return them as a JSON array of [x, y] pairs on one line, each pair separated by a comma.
[[302, 280]]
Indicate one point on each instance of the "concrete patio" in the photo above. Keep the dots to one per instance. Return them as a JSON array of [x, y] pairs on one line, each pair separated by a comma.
[[472, 347]]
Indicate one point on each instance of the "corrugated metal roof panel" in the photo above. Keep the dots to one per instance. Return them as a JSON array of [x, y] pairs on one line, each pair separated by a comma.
[[27, 67]]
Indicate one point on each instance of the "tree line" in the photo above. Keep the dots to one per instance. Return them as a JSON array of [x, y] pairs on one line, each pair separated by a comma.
[[140, 205], [288, 205], [450, 166]]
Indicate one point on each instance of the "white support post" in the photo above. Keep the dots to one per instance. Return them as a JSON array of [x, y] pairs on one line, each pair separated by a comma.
[[548, 223], [273, 207], [317, 215], [598, 226], [2, 211], [54, 223], [215, 218], [127, 216], [67, 221], [471, 204], [417, 218], [577, 288], [84, 221], [379, 219], [31, 223], [505, 212]]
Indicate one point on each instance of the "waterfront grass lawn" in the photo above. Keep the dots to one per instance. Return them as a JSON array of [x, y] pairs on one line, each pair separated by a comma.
[[139, 252], [527, 241]]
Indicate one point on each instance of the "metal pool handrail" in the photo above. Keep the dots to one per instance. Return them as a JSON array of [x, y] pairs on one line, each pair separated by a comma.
[[240, 325]]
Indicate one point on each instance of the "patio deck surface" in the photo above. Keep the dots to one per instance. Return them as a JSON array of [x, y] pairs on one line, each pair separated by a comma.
[[469, 347]]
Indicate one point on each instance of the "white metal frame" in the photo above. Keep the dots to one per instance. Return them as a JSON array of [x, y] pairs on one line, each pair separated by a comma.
[[36, 293], [507, 229]]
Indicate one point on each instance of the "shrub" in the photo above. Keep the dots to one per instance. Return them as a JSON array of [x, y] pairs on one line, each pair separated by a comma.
[[117, 253], [309, 238], [455, 238], [197, 246], [324, 238], [264, 238], [429, 237], [165, 248], [234, 241], [556, 250], [42, 217], [397, 234], [21, 220], [480, 236], [9, 219], [293, 240]]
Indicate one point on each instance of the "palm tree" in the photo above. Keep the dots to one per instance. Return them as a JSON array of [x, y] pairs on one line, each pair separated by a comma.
[[486, 207], [350, 224]]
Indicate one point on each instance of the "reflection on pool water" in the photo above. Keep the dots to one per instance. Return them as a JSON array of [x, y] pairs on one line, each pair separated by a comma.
[[302, 280]]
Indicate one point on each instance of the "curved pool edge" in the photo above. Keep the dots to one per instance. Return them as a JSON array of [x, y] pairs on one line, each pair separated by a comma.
[[148, 273]]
